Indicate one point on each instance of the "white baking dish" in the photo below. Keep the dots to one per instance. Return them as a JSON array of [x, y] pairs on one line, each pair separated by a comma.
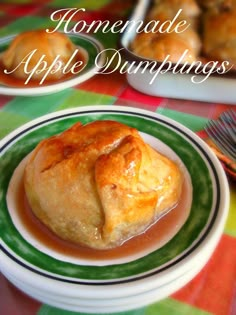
[[220, 88]]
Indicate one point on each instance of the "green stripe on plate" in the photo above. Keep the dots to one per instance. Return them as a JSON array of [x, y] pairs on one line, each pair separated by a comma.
[[194, 123], [200, 211]]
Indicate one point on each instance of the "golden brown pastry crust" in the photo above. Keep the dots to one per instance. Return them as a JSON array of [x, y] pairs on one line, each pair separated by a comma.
[[158, 46], [167, 9], [190, 8], [210, 35], [219, 36], [100, 184], [217, 5], [48, 44]]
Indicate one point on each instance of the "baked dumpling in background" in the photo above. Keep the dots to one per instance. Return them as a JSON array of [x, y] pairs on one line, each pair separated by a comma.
[[100, 184], [219, 36], [217, 5], [210, 35], [157, 45], [167, 9], [49, 44]]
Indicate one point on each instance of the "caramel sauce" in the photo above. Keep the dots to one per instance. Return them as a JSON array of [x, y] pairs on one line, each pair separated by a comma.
[[155, 236], [12, 81]]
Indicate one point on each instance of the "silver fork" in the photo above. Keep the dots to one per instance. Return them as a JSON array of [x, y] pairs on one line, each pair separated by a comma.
[[223, 133]]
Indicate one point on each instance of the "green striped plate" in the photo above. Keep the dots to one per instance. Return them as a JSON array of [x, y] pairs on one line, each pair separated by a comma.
[[92, 49], [193, 243]]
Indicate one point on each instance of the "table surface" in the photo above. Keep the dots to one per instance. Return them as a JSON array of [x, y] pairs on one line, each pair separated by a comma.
[[213, 290]]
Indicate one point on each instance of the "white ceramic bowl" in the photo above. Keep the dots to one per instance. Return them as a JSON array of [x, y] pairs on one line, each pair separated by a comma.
[[85, 43], [123, 282]]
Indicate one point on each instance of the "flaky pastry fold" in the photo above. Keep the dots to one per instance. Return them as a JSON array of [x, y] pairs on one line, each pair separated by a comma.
[[100, 184]]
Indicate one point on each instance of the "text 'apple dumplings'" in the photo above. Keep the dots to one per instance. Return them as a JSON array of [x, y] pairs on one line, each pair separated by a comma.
[[36, 49], [100, 184]]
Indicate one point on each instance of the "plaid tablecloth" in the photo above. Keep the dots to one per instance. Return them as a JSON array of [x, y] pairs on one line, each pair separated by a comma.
[[213, 290]]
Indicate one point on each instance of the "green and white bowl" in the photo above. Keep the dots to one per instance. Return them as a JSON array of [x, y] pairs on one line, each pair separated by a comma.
[[135, 281]]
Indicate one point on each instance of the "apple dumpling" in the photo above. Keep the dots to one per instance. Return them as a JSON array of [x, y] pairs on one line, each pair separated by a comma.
[[100, 184], [38, 50]]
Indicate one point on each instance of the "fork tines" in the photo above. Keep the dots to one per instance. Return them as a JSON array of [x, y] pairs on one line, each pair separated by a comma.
[[223, 133]]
